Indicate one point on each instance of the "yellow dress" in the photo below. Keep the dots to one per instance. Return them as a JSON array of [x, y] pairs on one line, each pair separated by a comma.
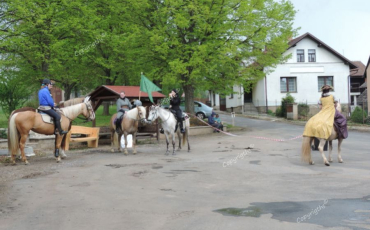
[[321, 124]]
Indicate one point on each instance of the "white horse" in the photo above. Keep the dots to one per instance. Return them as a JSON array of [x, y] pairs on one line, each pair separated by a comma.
[[169, 125], [308, 142]]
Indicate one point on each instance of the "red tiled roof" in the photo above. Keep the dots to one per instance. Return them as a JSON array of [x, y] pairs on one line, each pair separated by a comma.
[[131, 91], [360, 71], [293, 42]]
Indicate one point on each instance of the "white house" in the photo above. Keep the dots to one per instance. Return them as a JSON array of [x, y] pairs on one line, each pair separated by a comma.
[[312, 65]]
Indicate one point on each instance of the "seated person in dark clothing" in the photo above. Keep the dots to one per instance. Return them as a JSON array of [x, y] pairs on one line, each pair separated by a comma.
[[214, 123]]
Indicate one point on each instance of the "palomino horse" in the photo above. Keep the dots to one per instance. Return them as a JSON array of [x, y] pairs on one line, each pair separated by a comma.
[[308, 141], [129, 125], [169, 125], [21, 122]]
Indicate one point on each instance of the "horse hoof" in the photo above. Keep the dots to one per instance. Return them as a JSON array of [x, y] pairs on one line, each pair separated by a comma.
[[330, 161], [134, 153], [26, 163], [312, 163], [126, 153], [327, 164], [340, 161]]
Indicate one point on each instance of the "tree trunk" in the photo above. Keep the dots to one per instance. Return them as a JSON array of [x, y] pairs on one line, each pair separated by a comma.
[[67, 91], [189, 98], [108, 81]]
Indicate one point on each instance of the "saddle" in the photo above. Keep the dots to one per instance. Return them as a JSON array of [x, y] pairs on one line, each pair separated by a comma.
[[183, 117], [46, 118]]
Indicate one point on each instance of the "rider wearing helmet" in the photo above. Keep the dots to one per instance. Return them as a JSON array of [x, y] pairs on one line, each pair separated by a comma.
[[175, 105], [46, 104]]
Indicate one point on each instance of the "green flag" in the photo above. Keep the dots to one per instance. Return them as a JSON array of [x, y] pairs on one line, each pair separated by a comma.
[[148, 87]]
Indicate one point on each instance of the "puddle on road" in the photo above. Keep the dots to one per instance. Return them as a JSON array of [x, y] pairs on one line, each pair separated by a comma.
[[352, 213], [255, 162]]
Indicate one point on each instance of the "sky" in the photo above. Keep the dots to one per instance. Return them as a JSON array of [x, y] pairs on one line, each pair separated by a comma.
[[344, 25]]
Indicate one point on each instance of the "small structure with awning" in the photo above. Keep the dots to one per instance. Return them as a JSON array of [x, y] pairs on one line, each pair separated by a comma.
[[112, 92]]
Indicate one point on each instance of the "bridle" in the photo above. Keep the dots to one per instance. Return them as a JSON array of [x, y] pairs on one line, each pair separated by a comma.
[[156, 114], [89, 107]]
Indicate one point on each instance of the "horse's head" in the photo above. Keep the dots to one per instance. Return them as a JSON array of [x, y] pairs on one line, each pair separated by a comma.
[[153, 113], [141, 113], [89, 112]]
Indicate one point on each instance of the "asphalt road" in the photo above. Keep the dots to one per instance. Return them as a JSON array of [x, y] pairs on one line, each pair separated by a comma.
[[225, 182]]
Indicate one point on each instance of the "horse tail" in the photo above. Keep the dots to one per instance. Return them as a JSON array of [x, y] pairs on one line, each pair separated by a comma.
[[306, 149], [13, 136], [187, 129]]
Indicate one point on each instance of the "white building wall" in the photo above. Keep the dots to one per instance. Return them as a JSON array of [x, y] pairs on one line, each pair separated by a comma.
[[307, 74], [258, 94], [238, 97]]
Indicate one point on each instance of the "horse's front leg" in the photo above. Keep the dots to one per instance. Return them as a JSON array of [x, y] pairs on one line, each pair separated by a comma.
[[179, 137], [125, 135], [119, 136], [173, 143], [58, 141], [62, 148], [134, 143], [340, 160], [321, 149], [167, 141], [330, 150], [112, 132], [22, 143]]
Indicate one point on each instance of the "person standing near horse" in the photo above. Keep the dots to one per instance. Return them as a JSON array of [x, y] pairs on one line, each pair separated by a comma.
[[123, 105], [175, 105], [46, 104]]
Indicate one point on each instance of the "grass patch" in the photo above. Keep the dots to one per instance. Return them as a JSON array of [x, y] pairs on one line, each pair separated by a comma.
[[100, 119], [3, 119]]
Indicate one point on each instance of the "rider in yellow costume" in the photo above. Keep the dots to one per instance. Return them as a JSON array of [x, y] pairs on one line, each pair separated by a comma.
[[321, 125]]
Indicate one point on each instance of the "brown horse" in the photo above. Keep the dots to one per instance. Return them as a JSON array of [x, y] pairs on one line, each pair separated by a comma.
[[21, 122], [129, 125], [308, 141]]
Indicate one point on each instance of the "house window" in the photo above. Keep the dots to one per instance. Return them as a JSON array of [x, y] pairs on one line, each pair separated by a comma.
[[288, 84], [312, 55], [232, 96], [300, 55], [327, 80]]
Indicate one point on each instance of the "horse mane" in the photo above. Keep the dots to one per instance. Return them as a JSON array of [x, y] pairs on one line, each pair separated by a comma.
[[71, 111], [133, 113], [73, 101]]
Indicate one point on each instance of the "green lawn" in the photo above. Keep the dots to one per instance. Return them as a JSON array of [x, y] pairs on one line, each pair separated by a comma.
[[3, 119], [100, 119]]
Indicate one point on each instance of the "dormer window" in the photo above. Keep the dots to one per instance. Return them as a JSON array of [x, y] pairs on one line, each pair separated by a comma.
[[311, 55], [300, 55]]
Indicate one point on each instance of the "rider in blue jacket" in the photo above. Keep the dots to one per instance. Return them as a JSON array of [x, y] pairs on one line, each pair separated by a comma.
[[46, 104]]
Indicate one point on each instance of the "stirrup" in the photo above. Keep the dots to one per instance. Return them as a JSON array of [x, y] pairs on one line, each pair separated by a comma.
[[161, 131], [182, 130]]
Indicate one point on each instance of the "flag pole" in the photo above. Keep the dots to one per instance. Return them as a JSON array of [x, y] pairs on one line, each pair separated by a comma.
[[140, 89]]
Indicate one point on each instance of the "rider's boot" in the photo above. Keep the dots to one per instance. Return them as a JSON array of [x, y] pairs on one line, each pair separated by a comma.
[[181, 127], [59, 128]]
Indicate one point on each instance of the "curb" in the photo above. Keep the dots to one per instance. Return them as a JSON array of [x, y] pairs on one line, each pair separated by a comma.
[[301, 123]]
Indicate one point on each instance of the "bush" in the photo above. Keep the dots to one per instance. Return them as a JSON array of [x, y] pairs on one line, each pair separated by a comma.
[[269, 112], [3, 134], [358, 115], [279, 112], [288, 99], [34, 103], [303, 109]]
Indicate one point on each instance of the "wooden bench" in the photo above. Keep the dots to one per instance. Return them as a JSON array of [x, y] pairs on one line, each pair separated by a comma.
[[92, 136]]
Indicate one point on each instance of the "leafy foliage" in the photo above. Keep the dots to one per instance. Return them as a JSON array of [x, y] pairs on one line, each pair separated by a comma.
[[358, 115], [303, 109], [288, 99]]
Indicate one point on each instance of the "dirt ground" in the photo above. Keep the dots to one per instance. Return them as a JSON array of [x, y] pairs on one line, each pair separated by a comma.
[[261, 184]]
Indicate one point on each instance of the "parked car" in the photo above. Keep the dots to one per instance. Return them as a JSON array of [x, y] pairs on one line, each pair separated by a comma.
[[201, 110]]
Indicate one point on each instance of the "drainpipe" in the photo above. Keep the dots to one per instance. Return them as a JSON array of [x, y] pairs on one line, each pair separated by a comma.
[[266, 93], [349, 95]]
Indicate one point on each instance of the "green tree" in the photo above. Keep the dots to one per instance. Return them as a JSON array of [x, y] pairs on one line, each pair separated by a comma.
[[212, 44]]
